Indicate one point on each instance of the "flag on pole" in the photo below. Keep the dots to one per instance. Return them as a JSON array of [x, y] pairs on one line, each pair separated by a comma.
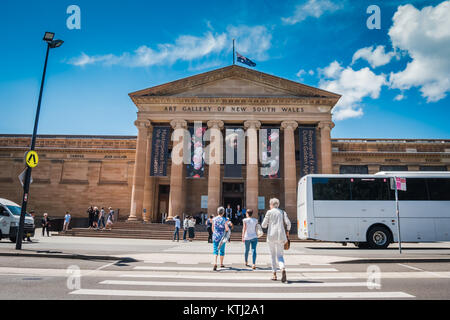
[[244, 60]]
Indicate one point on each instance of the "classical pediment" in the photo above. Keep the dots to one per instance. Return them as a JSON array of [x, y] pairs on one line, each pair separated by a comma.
[[234, 81]]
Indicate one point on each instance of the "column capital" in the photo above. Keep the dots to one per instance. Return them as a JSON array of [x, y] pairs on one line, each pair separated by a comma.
[[290, 124], [327, 125], [216, 124], [254, 124], [142, 124], [178, 124]]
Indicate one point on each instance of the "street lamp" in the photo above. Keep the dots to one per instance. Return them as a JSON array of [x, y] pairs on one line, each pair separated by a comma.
[[48, 37]]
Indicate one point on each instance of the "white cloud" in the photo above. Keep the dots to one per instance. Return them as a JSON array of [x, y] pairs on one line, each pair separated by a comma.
[[425, 36], [353, 85], [399, 97], [376, 57], [312, 8], [300, 74], [250, 40]]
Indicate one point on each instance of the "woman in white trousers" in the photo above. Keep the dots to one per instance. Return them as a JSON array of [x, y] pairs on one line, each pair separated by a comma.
[[277, 235]]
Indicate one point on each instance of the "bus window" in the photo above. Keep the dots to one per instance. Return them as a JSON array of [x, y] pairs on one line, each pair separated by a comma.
[[331, 189], [370, 189], [439, 188], [416, 189]]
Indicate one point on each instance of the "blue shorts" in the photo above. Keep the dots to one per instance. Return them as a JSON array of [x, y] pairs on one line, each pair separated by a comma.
[[216, 250]]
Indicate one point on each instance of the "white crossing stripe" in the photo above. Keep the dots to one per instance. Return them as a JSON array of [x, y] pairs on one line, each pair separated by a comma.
[[244, 295], [235, 285], [154, 268], [231, 276]]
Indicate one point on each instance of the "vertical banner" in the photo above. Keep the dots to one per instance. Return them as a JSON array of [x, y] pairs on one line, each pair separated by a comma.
[[160, 154], [196, 167], [234, 152], [308, 158], [270, 152]]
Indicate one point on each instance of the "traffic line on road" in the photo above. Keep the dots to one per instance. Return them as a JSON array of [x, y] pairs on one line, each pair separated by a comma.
[[236, 285], [230, 276], [245, 295], [155, 268]]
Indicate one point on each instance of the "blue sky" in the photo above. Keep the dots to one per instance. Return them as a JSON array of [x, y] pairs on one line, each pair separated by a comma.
[[394, 81]]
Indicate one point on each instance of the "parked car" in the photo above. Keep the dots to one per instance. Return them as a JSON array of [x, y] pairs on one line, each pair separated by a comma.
[[9, 221]]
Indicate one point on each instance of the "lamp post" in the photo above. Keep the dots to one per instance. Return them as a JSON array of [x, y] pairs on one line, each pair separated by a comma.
[[48, 37]]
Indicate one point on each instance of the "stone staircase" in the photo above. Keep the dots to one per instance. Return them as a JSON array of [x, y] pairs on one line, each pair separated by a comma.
[[157, 231]]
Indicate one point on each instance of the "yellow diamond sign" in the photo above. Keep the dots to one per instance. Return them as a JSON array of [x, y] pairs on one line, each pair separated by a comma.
[[32, 159]]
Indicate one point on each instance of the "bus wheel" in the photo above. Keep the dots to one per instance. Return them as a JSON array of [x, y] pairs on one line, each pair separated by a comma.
[[379, 237]]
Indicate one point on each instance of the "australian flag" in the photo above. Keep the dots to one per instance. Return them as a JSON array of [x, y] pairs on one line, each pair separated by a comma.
[[244, 60]]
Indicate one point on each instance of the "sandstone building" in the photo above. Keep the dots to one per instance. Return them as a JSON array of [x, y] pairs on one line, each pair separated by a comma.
[[77, 171]]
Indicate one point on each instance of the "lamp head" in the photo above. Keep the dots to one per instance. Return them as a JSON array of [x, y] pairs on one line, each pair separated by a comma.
[[55, 43], [48, 37]]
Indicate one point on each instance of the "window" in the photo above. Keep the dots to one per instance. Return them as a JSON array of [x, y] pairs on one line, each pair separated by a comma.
[[439, 188], [416, 189], [354, 170], [331, 189], [393, 168], [370, 189], [433, 168]]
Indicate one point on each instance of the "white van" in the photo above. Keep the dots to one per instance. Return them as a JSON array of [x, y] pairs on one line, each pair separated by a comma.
[[9, 221]]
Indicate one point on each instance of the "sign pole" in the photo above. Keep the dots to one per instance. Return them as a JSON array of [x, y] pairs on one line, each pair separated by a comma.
[[397, 211]]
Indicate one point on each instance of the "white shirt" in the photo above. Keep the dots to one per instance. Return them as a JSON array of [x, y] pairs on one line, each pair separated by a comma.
[[185, 223], [274, 222], [177, 223], [191, 223], [250, 231]]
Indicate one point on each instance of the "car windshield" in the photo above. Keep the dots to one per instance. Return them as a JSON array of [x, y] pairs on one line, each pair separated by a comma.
[[15, 210]]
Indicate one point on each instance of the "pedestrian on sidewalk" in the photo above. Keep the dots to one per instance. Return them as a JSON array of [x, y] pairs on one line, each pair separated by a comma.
[[185, 227], [249, 237], [101, 219], [191, 225], [67, 219], [32, 215], [90, 212], [96, 215], [45, 222], [278, 224], [220, 226], [110, 220], [176, 234], [209, 228]]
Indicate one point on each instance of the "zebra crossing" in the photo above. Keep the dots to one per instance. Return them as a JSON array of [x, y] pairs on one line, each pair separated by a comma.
[[179, 281]]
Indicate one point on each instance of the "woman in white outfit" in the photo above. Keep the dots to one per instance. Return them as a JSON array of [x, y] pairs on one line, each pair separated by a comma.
[[277, 235]]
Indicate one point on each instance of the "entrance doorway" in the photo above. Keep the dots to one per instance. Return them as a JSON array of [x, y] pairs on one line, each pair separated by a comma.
[[233, 195], [163, 201]]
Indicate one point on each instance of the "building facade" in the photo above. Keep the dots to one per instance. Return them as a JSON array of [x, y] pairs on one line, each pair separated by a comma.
[[136, 174]]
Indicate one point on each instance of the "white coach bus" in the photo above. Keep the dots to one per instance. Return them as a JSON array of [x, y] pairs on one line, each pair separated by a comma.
[[361, 208]]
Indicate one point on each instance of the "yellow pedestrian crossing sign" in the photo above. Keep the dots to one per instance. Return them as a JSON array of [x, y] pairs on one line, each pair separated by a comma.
[[32, 159]]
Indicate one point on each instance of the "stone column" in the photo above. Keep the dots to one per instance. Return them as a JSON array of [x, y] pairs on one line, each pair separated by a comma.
[[176, 200], [290, 171], [252, 185], [137, 192], [149, 181], [215, 159], [325, 146]]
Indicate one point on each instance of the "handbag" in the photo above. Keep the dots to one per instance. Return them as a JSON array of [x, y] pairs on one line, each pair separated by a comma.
[[287, 244], [259, 230]]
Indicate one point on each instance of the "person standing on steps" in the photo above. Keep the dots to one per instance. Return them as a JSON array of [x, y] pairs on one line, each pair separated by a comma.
[[185, 227], [176, 234]]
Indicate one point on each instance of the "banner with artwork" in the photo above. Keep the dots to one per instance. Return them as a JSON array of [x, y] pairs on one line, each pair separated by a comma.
[[270, 152], [196, 167], [160, 151], [234, 152], [308, 156]]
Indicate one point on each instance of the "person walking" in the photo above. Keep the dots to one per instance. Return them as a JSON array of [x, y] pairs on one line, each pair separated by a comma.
[[185, 227], [278, 224], [90, 212], [249, 237], [45, 222], [191, 230], [220, 225], [32, 215], [176, 234], [67, 219], [110, 219], [96, 215], [209, 228]]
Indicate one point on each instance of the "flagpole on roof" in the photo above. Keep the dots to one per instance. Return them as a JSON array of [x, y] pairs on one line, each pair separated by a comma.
[[233, 52]]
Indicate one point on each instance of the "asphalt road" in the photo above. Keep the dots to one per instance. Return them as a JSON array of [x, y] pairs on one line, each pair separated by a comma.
[[149, 269]]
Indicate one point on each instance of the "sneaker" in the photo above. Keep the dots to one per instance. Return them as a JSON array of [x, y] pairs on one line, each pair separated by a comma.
[[283, 276]]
